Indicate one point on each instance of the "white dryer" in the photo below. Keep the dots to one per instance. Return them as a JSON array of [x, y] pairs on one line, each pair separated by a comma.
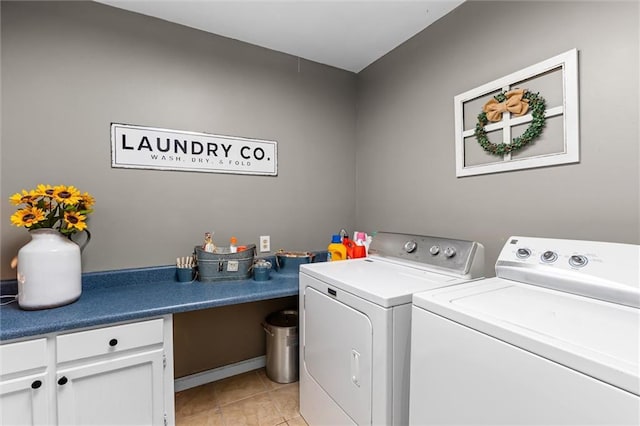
[[553, 339], [356, 320]]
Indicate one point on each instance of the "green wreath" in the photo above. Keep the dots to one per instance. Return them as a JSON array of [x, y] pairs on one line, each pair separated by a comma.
[[537, 106]]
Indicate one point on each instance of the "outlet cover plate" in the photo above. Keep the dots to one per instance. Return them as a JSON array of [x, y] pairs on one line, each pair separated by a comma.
[[265, 243]]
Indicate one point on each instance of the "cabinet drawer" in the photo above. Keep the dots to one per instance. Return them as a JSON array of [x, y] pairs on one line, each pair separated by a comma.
[[101, 341], [23, 356]]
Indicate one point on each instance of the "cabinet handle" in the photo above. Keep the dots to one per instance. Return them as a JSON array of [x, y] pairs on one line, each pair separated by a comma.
[[113, 342], [36, 384], [62, 380]]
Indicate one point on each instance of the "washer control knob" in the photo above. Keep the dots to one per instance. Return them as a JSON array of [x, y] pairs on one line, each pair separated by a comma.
[[410, 246], [523, 253], [434, 250], [449, 252], [548, 256], [577, 261]]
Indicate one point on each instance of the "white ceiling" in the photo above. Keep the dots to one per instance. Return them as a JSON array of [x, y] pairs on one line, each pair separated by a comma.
[[341, 33]]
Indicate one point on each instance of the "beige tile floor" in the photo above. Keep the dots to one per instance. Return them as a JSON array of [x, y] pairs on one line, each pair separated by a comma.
[[244, 400]]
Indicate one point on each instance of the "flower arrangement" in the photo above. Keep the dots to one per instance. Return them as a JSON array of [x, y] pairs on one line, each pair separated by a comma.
[[60, 207]]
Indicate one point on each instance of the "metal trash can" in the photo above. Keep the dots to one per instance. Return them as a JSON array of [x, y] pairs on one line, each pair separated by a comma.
[[282, 346]]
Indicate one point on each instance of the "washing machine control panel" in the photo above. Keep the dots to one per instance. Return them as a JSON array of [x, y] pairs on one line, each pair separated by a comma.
[[606, 271], [456, 256], [533, 252]]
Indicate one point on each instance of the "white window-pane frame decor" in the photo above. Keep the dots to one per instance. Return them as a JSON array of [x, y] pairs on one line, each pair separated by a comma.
[[567, 64]]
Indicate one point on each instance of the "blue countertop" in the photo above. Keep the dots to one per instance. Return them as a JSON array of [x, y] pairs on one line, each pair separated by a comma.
[[124, 295]]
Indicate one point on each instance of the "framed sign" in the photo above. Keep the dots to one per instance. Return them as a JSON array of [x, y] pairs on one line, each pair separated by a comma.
[[504, 143], [139, 147]]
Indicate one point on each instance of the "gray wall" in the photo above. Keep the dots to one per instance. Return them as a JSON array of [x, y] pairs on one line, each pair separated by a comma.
[[405, 152], [69, 69]]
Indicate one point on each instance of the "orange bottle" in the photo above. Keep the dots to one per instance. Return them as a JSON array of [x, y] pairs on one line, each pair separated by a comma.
[[350, 246]]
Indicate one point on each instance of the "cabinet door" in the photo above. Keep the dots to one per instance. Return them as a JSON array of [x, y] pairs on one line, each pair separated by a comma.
[[24, 384], [23, 400], [126, 390]]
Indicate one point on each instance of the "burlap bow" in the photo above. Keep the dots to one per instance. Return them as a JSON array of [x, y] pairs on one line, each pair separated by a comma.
[[514, 104]]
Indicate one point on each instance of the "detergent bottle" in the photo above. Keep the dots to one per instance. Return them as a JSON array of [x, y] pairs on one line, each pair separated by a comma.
[[336, 250], [350, 246]]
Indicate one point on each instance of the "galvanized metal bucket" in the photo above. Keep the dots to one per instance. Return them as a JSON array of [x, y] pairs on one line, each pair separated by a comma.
[[224, 266], [282, 346], [290, 261]]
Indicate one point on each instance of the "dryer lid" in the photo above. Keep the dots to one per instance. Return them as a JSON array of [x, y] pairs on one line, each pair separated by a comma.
[[384, 283], [400, 265]]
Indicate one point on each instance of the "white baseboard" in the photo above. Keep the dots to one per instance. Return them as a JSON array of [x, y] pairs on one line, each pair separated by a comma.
[[219, 373]]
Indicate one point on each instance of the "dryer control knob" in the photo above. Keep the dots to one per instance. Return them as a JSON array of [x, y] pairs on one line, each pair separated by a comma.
[[434, 250], [410, 246], [523, 253], [449, 252]]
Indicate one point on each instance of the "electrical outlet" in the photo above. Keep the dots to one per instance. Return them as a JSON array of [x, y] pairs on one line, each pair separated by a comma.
[[265, 243]]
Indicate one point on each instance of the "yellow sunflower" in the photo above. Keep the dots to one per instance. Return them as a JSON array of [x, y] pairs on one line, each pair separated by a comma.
[[75, 220], [87, 200], [44, 190], [23, 197], [60, 207], [27, 217], [66, 194]]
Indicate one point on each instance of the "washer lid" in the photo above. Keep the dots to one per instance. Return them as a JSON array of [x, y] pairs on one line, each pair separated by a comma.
[[600, 339], [380, 281]]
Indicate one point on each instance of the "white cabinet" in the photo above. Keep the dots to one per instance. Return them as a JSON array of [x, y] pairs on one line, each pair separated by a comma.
[[112, 375], [24, 383], [117, 375], [125, 390]]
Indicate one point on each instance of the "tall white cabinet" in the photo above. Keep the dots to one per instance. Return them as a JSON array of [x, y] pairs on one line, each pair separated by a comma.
[[116, 375]]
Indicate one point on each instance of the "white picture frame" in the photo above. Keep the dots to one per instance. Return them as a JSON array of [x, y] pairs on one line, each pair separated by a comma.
[[565, 63]]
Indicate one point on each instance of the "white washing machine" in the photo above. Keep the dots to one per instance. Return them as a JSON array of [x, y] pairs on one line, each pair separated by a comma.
[[355, 325], [553, 339]]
